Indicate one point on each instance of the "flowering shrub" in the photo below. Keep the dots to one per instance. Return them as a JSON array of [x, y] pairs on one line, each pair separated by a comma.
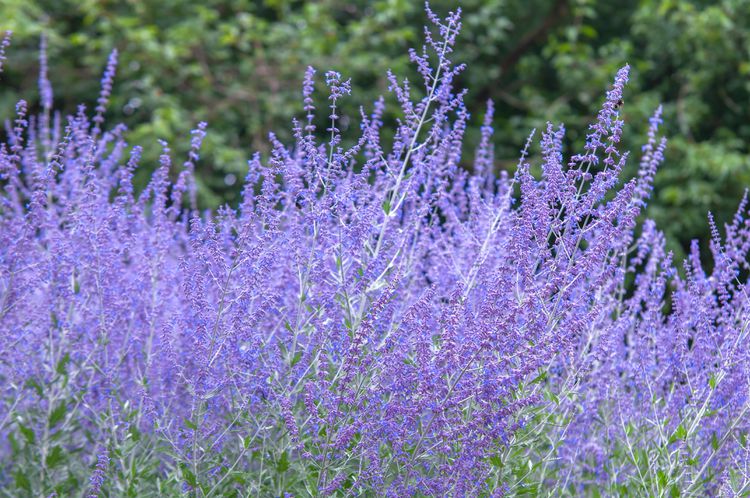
[[368, 321]]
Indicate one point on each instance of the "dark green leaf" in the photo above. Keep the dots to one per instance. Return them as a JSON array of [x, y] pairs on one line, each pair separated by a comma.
[[60, 368], [283, 464], [190, 424], [21, 481], [58, 414], [27, 433], [55, 457]]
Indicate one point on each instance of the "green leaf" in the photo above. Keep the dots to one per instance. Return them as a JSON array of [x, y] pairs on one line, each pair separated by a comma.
[[55, 457], [283, 464], [410, 362], [239, 478], [387, 207], [552, 397], [60, 368], [283, 349], [190, 424], [680, 433], [712, 381], [297, 358], [36, 385], [642, 459], [189, 477], [22, 482], [27, 433], [135, 434], [496, 461], [661, 477], [14, 446], [58, 414], [539, 378]]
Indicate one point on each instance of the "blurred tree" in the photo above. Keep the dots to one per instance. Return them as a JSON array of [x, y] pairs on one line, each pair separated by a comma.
[[238, 64]]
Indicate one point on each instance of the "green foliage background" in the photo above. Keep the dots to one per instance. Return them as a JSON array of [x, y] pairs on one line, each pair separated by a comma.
[[238, 64]]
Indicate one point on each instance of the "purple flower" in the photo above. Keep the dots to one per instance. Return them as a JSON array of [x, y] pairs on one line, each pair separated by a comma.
[[106, 90], [4, 44], [371, 319], [96, 481]]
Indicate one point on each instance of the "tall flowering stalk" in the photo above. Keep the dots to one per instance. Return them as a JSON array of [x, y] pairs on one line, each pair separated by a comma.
[[371, 320]]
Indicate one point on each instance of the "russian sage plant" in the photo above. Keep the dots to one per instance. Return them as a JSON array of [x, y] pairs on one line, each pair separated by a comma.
[[376, 320]]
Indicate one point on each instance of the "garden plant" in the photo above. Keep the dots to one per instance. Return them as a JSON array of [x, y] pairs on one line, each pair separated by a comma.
[[369, 320]]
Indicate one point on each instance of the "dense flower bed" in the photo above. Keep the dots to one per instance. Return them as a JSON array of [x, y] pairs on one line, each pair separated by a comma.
[[369, 321]]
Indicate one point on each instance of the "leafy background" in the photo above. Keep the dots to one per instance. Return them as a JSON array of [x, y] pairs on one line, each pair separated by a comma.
[[238, 64]]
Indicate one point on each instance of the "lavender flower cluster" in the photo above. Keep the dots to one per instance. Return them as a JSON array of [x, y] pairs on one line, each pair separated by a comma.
[[370, 321]]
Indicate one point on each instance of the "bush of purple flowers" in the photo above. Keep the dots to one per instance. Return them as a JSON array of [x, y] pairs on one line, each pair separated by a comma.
[[369, 321]]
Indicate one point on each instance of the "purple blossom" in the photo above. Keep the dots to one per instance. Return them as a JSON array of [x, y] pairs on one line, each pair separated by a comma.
[[96, 481], [108, 79], [4, 44], [45, 88], [308, 104], [373, 319]]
